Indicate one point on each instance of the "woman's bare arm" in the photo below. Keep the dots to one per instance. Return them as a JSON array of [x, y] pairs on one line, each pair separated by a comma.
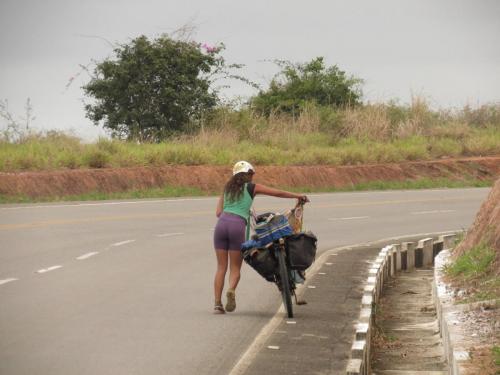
[[265, 190], [220, 206]]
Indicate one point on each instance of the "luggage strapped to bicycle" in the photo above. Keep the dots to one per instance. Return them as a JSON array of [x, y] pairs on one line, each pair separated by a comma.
[[300, 246]]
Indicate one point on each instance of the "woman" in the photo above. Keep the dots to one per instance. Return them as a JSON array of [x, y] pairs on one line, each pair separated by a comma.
[[233, 211]]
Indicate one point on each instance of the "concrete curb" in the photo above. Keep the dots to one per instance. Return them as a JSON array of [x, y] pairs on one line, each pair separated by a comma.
[[385, 265], [390, 260], [454, 342]]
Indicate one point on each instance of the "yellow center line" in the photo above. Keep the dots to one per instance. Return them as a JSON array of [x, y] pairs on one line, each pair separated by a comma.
[[46, 223]]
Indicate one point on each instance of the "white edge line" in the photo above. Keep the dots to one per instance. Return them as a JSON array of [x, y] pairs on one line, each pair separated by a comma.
[[349, 218], [258, 343], [431, 212], [52, 268], [169, 234], [122, 243], [5, 281], [88, 255]]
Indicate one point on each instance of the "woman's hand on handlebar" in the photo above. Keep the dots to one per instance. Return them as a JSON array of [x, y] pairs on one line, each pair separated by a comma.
[[303, 199]]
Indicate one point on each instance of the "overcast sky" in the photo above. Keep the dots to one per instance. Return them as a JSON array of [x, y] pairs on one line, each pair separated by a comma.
[[446, 50]]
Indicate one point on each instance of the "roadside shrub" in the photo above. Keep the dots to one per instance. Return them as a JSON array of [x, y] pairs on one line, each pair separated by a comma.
[[397, 114], [483, 143], [485, 116], [153, 157], [351, 152], [331, 120], [68, 160], [95, 158], [452, 130], [185, 154], [412, 148], [109, 146], [370, 122], [439, 147], [298, 84]]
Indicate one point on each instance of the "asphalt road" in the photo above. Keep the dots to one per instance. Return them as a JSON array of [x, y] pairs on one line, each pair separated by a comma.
[[126, 287]]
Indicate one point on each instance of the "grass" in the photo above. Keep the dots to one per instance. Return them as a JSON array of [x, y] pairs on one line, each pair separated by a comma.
[[473, 271], [472, 264], [374, 133], [179, 191], [496, 355], [41, 153]]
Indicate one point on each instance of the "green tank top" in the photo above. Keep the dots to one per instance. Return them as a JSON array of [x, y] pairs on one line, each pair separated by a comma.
[[240, 207]]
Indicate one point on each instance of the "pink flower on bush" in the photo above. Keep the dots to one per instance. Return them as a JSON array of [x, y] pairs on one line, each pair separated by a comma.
[[209, 48]]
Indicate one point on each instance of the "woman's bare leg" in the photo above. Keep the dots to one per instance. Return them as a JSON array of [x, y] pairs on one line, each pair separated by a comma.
[[220, 274], [234, 277], [235, 260]]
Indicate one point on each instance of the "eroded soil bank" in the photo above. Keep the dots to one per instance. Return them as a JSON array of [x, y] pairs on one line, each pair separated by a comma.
[[212, 178], [486, 227]]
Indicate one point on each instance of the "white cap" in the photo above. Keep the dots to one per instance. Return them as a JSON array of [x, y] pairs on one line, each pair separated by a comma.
[[242, 166]]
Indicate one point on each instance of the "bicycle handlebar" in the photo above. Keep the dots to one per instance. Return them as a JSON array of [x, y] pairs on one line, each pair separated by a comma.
[[302, 200]]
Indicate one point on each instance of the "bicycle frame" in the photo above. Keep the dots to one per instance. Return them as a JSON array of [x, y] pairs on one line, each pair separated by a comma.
[[283, 276], [283, 279]]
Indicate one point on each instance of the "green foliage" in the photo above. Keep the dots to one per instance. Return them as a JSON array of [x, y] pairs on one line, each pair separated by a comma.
[[298, 84], [152, 89], [474, 272], [484, 116], [268, 147], [320, 135], [496, 354], [96, 158], [474, 263]]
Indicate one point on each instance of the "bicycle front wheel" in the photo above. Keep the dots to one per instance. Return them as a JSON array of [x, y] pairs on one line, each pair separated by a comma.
[[285, 284]]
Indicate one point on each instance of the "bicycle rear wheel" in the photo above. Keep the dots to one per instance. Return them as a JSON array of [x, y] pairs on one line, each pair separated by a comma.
[[285, 284]]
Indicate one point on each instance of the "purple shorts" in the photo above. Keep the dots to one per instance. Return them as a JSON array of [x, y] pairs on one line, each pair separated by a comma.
[[229, 232]]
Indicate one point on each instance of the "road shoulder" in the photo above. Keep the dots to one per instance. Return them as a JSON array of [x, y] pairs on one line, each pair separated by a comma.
[[319, 337]]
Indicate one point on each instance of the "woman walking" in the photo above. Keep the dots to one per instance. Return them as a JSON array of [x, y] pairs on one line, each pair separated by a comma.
[[233, 211]]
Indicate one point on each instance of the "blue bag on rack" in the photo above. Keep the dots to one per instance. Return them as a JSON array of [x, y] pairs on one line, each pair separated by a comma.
[[274, 227]]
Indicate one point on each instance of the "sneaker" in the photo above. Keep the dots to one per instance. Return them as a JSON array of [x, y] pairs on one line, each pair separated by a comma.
[[219, 309], [231, 300]]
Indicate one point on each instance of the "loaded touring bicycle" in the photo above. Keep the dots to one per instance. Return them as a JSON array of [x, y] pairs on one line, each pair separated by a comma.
[[280, 251]]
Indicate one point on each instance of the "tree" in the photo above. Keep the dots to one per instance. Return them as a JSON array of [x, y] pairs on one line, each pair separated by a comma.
[[153, 89], [297, 84]]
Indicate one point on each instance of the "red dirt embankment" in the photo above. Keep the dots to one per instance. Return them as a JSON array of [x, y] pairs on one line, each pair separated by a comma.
[[486, 226], [212, 178]]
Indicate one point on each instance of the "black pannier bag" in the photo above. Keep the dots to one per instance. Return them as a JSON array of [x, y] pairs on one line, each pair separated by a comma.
[[262, 261], [301, 248]]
